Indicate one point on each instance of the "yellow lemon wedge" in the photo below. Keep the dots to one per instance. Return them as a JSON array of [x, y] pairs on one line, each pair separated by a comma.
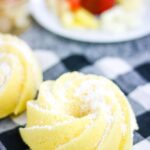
[[79, 112], [79, 19], [20, 75], [85, 19]]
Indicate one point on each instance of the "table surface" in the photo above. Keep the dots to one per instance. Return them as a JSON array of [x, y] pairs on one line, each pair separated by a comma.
[[136, 52], [39, 38]]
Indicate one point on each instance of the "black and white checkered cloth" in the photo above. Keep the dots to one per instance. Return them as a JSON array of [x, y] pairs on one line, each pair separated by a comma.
[[133, 77]]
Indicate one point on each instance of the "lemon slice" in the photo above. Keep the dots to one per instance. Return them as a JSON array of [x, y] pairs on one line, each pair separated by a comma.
[[25, 74]]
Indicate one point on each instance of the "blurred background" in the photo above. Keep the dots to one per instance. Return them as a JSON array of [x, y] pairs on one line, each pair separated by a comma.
[[103, 37], [14, 15]]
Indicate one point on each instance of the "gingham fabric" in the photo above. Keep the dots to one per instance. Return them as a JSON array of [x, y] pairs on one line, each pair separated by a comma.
[[132, 76]]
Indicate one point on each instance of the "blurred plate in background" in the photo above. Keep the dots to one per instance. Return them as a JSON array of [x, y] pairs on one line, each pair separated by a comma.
[[50, 22]]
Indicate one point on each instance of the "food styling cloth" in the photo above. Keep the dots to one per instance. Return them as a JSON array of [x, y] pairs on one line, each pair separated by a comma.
[[127, 64]]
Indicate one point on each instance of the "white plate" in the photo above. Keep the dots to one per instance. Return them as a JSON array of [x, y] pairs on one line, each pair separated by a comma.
[[49, 21]]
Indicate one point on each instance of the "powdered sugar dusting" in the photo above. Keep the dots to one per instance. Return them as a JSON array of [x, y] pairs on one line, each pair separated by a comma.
[[5, 68], [92, 95], [5, 72], [124, 129]]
